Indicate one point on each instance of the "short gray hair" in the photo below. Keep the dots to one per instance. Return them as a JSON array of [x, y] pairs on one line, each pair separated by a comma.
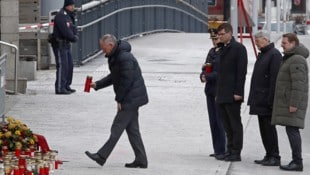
[[263, 34], [109, 39]]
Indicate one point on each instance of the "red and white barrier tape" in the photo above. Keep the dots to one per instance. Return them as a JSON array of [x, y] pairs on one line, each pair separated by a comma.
[[36, 26]]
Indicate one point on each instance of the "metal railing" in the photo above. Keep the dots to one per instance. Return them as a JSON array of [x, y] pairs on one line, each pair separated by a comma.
[[15, 65], [130, 18], [2, 83]]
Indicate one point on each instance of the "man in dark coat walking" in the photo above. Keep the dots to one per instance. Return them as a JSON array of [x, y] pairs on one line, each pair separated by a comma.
[[232, 69], [261, 96], [130, 93]]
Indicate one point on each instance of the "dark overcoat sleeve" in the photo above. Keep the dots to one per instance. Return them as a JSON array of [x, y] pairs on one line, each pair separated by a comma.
[[104, 82], [242, 62]]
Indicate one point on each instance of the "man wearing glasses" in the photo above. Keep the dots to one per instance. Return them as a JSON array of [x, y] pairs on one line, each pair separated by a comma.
[[232, 69]]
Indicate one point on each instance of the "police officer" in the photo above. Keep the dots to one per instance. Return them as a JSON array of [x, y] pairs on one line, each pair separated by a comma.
[[209, 76], [64, 33]]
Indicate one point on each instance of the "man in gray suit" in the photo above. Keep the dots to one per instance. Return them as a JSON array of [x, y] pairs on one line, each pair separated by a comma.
[[130, 93]]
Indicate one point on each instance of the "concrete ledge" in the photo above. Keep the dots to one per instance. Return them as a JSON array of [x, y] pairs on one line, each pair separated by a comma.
[[28, 69], [22, 85]]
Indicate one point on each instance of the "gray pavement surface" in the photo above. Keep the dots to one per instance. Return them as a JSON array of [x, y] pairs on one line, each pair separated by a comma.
[[174, 125]]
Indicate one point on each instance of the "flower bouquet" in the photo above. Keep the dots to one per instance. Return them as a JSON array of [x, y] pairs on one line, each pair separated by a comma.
[[16, 135]]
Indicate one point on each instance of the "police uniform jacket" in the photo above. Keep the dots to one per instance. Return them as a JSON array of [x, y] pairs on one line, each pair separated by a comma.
[[64, 26], [125, 76], [211, 77]]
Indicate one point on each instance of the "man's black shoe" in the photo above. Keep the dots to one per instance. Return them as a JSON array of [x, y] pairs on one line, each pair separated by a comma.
[[95, 157], [71, 90], [266, 158], [233, 158], [272, 161], [292, 166], [135, 165], [65, 92], [220, 156], [212, 155]]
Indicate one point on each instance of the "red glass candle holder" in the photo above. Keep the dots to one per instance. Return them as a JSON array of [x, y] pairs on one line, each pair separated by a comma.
[[208, 68], [22, 161], [42, 171], [4, 150], [16, 171], [88, 83], [56, 164], [18, 152], [46, 170], [22, 170]]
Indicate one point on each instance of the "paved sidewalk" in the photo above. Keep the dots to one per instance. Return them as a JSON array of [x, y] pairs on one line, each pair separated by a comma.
[[174, 125]]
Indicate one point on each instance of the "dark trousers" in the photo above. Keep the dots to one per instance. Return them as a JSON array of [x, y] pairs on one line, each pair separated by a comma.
[[269, 136], [231, 119], [125, 120], [295, 143], [64, 68], [216, 126]]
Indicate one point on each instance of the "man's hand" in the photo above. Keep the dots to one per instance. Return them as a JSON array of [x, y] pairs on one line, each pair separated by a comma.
[[237, 97], [93, 85], [119, 107], [292, 109], [203, 79]]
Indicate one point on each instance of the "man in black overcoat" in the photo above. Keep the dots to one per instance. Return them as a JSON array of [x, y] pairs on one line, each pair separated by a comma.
[[232, 69], [261, 95]]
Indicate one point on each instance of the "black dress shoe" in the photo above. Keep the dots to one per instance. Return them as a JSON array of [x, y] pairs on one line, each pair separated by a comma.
[[136, 165], [266, 158], [292, 166], [233, 158], [95, 157], [220, 156], [272, 161], [65, 92], [71, 90], [212, 155]]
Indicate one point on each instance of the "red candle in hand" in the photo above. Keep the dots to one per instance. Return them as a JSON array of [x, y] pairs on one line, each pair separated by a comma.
[[208, 68], [87, 83]]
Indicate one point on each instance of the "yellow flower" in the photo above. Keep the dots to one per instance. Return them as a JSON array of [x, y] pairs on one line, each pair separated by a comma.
[[17, 132], [18, 145], [10, 119], [24, 127], [1, 134], [12, 126], [8, 134], [31, 141]]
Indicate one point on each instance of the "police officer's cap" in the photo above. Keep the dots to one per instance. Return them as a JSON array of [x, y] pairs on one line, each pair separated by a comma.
[[68, 2], [213, 33]]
